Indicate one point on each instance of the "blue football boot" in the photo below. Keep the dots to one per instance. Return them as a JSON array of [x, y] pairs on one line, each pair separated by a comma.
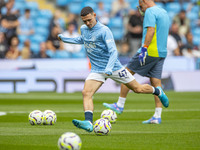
[[163, 98], [153, 120], [85, 125], [114, 107]]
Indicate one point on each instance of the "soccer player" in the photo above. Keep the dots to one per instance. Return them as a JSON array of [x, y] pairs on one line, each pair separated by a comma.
[[102, 52], [151, 55]]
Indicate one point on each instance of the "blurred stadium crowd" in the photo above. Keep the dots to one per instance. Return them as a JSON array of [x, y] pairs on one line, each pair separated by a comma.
[[29, 28]]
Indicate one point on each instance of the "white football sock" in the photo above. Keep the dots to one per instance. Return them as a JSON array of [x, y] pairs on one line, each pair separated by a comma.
[[158, 112], [153, 89], [121, 102]]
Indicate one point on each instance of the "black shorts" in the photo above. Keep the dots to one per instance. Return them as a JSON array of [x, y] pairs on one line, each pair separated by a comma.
[[152, 68]]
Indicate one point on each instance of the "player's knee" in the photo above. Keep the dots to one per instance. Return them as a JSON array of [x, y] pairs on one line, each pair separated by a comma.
[[86, 93], [137, 90]]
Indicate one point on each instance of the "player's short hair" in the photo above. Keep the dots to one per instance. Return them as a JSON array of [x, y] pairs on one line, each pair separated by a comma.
[[86, 10], [27, 10]]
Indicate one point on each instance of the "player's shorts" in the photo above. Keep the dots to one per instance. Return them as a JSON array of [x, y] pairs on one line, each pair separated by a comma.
[[121, 76], [152, 68]]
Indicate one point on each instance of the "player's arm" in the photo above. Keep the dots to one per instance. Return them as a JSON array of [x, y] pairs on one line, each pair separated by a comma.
[[149, 36], [150, 22], [77, 40], [112, 49]]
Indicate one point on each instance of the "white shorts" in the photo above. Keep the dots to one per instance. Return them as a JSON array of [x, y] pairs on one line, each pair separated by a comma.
[[121, 76]]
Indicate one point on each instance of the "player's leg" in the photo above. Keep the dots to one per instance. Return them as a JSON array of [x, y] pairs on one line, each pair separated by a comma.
[[148, 89], [119, 106], [90, 87], [156, 119]]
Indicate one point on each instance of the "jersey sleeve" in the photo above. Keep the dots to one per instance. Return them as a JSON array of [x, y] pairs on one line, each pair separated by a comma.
[[112, 50], [77, 40], [149, 19]]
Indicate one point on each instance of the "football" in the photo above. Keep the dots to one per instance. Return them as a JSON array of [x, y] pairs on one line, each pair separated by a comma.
[[102, 126], [110, 115], [69, 141], [49, 117], [36, 117]]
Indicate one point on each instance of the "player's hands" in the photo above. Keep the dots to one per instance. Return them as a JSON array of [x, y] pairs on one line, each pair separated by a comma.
[[142, 56], [108, 73], [60, 36]]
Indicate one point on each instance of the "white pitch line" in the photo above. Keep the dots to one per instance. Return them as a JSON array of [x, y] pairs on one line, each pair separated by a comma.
[[2, 113], [130, 110]]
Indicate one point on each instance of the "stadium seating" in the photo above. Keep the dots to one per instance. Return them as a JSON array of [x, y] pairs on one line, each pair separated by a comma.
[[37, 38], [62, 2], [87, 3], [75, 7], [42, 31], [173, 7], [192, 15], [117, 33], [171, 14], [134, 5], [160, 4], [35, 47], [116, 26], [61, 54], [107, 7], [196, 40], [20, 6], [22, 38], [185, 5], [42, 18], [81, 54], [50, 53], [116, 22], [45, 13], [34, 14], [42, 22], [32, 5]]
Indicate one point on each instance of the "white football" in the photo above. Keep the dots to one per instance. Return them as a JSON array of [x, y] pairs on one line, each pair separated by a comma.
[[102, 126], [69, 141], [49, 117], [36, 117], [110, 115]]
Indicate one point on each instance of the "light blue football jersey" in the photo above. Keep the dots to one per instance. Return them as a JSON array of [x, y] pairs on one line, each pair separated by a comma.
[[100, 48]]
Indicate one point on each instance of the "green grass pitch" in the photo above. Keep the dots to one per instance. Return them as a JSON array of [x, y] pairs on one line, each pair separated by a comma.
[[179, 130]]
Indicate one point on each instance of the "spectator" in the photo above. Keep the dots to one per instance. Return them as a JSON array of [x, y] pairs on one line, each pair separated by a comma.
[[57, 21], [2, 4], [102, 14], [72, 18], [120, 8], [183, 22], [124, 50], [9, 6], [174, 32], [164, 1], [189, 48], [13, 52], [53, 43], [3, 45], [135, 31], [9, 21], [172, 46], [42, 53], [26, 52], [26, 24], [71, 33]]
